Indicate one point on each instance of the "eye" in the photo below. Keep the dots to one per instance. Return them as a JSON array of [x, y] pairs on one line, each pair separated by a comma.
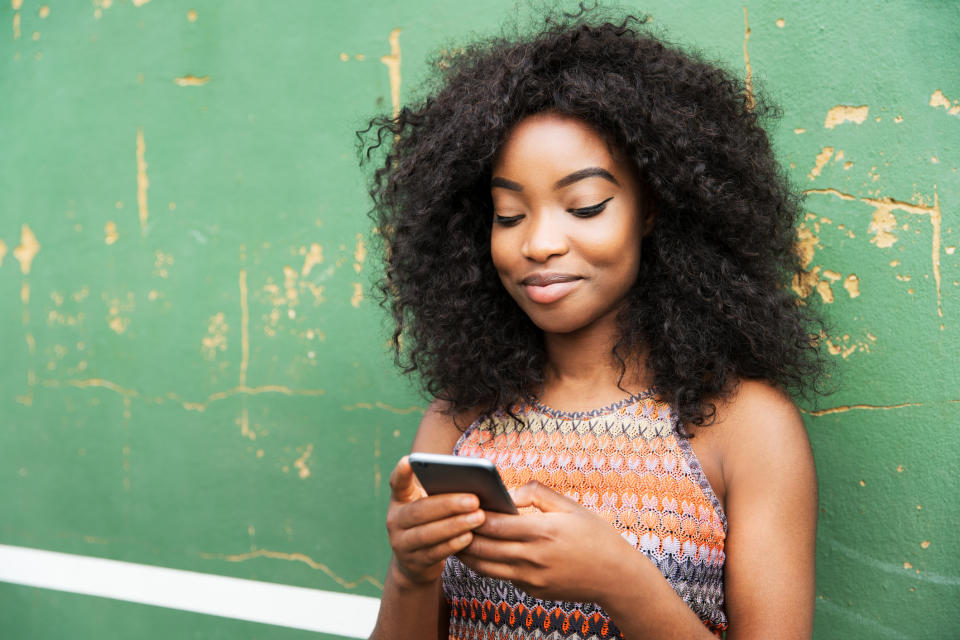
[[587, 212], [506, 221]]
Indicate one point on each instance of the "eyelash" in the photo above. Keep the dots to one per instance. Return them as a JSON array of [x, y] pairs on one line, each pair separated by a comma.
[[583, 212]]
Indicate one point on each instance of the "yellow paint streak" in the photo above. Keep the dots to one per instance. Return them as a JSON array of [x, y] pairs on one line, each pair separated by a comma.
[[3, 251], [383, 406], [359, 254], [392, 60], [143, 183], [357, 296], [843, 113], [140, 3], [192, 15], [781, 23], [244, 329], [25, 295], [822, 158], [935, 221], [244, 422], [110, 231], [27, 249], [44, 11], [191, 81], [852, 285], [799, 131], [746, 59], [301, 463], [314, 257], [104, 384], [295, 557], [16, 25], [939, 100], [16, 4], [823, 288], [862, 407]]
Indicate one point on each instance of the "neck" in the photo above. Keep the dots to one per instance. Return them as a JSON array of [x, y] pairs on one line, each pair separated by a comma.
[[582, 365]]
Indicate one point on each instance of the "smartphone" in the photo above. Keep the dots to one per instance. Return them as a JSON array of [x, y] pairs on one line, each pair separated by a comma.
[[440, 473]]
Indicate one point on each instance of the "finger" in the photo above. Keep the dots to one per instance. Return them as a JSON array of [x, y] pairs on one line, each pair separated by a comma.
[[434, 533], [523, 527], [429, 556], [534, 494], [438, 507], [403, 484], [491, 568], [493, 550]]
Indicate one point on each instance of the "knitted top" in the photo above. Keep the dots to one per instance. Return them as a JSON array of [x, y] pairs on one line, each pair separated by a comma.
[[626, 463]]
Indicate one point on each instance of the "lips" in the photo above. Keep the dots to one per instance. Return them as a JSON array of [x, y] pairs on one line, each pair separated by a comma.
[[545, 288]]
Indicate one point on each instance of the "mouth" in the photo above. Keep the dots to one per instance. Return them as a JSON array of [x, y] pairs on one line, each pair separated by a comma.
[[545, 288]]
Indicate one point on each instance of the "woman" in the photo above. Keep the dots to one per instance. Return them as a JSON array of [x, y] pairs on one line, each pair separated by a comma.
[[589, 250]]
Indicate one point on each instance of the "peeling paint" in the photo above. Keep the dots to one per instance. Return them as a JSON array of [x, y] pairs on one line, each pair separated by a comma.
[[143, 183], [27, 250], [748, 81], [852, 285], [294, 557], [191, 81], [301, 463], [162, 261], [938, 100], [392, 60], [882, 227], [110, 231], [313, 257], [244, 329], [357, 296], [862, 407], [822, 158], [843, 113], [216, 338], [359, 254], [383, 406]]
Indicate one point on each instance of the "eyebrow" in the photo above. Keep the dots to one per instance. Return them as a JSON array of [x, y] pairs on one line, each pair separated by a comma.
[[576, 176]]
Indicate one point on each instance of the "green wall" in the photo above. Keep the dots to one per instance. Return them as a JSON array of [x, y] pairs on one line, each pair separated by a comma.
[[194, 373]]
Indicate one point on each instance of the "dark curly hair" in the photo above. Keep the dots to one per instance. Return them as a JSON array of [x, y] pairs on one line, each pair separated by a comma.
[[712, 303]]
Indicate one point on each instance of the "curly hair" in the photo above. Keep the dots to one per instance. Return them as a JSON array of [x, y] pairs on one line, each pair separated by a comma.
[[712, 303]]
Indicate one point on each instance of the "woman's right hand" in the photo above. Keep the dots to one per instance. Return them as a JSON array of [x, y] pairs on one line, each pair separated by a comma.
[[424, 530]]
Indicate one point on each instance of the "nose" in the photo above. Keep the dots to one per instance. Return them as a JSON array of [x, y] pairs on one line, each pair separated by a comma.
[[544, 239]]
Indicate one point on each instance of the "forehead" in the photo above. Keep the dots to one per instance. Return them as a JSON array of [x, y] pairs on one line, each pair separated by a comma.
[[550, 140]]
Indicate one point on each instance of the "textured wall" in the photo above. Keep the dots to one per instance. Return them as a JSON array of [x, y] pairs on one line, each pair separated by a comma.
[[193, 371]]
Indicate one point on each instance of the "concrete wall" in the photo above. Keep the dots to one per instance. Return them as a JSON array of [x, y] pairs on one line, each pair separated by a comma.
[[194, 375]]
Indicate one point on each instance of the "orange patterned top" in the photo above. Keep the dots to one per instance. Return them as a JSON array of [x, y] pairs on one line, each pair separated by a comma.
[[626, 463]]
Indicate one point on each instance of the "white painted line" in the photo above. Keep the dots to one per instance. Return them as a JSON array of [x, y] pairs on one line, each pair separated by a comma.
[[278, 604]]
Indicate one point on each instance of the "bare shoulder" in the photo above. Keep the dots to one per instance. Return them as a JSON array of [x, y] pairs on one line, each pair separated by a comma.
[[440, 428], [761, 428]]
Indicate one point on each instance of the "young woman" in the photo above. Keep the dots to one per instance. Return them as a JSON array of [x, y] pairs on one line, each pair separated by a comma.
[[589, 249]]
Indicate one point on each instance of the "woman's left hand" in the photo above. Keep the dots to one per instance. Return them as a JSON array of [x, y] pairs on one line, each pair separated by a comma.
[[564, 552]]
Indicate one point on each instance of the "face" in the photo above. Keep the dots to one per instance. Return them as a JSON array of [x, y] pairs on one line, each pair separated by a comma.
[[568, 218]]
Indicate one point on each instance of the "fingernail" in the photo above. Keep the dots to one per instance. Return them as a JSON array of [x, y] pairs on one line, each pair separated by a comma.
[[475, 518], [470, 502]]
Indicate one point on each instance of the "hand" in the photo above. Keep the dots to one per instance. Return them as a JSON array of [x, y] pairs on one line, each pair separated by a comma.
[[564, 552], [424, 530]]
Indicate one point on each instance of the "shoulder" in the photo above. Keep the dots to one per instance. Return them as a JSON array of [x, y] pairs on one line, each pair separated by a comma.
[[440, 427], [760, 431]]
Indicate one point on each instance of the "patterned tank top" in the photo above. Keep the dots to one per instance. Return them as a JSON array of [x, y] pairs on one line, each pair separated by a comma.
[[626, 463]]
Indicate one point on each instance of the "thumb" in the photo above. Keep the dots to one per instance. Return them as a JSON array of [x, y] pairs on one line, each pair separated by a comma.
[[404, 486], [537, 495]]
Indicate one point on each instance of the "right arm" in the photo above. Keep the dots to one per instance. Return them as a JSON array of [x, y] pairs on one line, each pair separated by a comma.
[[423, 530]]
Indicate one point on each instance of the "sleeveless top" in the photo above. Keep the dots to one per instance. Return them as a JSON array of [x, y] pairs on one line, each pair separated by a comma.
[[624, 462]]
